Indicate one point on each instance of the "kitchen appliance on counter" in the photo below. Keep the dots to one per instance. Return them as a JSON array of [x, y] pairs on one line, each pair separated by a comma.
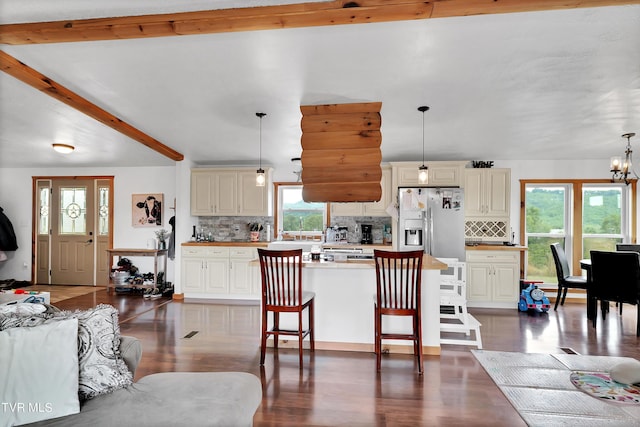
[[367, 234], [432, 219], [337, 234]]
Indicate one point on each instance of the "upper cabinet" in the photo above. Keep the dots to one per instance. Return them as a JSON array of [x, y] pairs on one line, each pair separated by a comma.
[[229, 192], [371, 208], [441, 174], [487, 192]]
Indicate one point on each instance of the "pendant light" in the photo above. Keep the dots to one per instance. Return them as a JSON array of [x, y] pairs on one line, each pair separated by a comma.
[[260, 178], [423, 171], [622, 169]]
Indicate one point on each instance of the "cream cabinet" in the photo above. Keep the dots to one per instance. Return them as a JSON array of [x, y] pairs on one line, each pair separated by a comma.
[[229, 192], [219, 272], [493, 278], [242, 275], [205, 271], [367, 209], [441, 174], [487, 193]]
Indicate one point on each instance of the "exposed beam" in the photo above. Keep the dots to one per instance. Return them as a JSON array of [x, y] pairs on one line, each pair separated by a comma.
[[336, 12], [28, 75]]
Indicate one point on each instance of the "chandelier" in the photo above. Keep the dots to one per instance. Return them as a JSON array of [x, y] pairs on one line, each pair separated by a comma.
[[622, 169]]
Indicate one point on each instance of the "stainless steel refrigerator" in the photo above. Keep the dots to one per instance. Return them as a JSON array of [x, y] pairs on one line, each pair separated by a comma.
[[432, 219]]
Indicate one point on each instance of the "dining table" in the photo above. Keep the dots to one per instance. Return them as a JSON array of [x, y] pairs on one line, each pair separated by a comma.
[[592, 304]]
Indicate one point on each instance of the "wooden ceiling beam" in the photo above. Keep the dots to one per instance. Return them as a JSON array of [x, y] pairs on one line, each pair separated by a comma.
[[39, 81], [298, 15]]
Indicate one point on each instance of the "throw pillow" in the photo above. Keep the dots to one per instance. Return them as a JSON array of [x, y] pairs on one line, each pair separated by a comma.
[[627, 372], [102, 369], [39, 371], [23, 308]]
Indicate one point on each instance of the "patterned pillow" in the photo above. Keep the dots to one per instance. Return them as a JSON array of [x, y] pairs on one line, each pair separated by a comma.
[[102, 369]]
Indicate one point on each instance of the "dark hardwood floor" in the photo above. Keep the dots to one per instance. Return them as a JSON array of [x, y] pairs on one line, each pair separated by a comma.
[[342, 388]]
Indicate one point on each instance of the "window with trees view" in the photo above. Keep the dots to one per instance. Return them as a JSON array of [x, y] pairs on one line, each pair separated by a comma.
[[580, 215], [297, 217]]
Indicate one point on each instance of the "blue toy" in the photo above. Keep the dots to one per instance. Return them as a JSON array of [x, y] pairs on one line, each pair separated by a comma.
[[533, 298]]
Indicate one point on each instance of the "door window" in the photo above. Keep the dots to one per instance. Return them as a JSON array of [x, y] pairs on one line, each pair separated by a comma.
[[73, 210]]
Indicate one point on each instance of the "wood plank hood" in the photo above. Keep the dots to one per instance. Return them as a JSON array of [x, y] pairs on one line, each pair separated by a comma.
[[341, 152]]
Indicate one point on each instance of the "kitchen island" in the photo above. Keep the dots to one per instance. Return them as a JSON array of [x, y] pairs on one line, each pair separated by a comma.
[[344, 306]]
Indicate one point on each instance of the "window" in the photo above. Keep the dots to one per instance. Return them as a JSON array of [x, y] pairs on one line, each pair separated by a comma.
[[604, 218], [547, 222], [582, 215], [296, 217]]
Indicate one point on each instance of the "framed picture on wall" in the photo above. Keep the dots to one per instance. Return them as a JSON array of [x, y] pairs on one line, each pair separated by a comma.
[[146, 210]]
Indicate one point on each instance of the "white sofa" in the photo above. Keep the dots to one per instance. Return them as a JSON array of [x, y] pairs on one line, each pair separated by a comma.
[[170, 399]]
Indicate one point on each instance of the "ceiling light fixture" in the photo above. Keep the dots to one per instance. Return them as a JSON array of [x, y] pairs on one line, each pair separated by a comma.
[[63, 148], [260, 178], [423, 171], [620, 169]]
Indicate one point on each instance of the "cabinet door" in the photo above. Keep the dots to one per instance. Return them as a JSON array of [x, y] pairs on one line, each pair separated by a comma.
[[497, 194], [408, 176], [216, 276], [239, 277], [202, 193], [505, 283], [444, 175], [346, 209], [226, 193], [479, 281], [473, 192], [380, 208], [252, 200], [192, 275]]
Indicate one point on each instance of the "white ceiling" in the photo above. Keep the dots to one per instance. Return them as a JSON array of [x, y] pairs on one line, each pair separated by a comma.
[[540, 85]]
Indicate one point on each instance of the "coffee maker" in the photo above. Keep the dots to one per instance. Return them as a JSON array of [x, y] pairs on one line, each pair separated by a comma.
[[367, 235]]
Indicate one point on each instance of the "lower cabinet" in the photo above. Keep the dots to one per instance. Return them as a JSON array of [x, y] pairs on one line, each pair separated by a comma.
[[493, 278], [219, 272]]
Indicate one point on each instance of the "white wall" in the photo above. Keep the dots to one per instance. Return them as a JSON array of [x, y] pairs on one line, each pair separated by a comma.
[[16, 200]]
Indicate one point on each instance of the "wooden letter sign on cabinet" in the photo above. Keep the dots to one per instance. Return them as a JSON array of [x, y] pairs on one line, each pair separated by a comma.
[[228, 192]]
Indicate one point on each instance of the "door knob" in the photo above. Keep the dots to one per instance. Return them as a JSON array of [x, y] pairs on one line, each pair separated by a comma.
[[89, 241]]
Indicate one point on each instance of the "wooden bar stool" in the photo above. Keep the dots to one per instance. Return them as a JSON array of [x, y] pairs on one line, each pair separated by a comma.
[[282, 292], [398, 290]]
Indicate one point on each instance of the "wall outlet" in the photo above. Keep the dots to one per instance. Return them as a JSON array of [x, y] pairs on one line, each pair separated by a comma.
[[25, 265]]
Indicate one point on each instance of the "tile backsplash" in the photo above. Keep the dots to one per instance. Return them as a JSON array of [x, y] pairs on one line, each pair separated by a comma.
[[236, 228], [232, 228]]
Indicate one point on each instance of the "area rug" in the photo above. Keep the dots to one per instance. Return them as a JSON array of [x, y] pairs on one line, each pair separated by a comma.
[[539, 387], [600, 385]]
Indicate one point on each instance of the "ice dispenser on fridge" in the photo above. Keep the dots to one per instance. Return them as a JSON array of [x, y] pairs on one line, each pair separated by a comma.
[[413, 232]]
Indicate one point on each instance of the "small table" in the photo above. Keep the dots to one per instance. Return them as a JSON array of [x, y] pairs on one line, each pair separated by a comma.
[[155, 253]]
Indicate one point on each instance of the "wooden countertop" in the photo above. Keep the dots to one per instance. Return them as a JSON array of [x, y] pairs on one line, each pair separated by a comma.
[[244, 244], [496, 248], [428, 263]]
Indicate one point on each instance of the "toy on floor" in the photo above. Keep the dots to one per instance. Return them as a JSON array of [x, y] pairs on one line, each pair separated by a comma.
[[533, 298]]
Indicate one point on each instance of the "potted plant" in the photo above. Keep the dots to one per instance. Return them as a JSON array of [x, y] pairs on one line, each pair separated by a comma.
[[162, 235]]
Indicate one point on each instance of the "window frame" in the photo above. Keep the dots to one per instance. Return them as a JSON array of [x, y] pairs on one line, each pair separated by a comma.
[[277, 209], [574, 237]]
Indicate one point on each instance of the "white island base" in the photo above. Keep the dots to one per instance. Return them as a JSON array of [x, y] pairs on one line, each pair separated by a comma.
[[345, 293]]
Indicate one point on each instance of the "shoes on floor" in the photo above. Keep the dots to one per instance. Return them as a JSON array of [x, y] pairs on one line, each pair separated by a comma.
[[152, 293]]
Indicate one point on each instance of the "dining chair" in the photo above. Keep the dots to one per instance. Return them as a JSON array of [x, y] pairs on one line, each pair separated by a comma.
[[626, 247], [616, 277], [565, 279], [282, 292], [398, 293]]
